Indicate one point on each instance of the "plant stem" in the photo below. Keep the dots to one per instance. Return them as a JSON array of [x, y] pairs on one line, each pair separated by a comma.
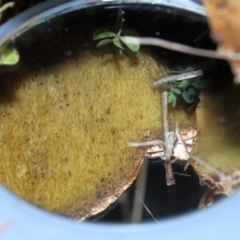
[[147, 143], [169, 140], [165, 113]]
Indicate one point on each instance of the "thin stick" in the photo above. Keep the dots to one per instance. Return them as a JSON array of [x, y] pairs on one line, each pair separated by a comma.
[[167, 137], [182, 174], [147, 143], [186, 49], [186, 166], [181, 141], [165, 114], [145, 206], [178, 77], [140, 189], [170, 180]]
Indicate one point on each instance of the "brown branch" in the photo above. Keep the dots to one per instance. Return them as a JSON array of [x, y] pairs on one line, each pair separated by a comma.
[[169, 138], [165, 114], [170, 180]]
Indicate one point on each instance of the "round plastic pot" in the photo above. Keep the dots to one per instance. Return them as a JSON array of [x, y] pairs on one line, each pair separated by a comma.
[[21, 220]]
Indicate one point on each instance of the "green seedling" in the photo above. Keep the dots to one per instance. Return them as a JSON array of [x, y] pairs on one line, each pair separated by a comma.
[[4, 7], [8, 56], [104, 36], [187, 89]]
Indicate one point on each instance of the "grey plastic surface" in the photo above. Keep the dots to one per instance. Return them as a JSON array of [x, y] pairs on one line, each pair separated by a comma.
[[30, 223]]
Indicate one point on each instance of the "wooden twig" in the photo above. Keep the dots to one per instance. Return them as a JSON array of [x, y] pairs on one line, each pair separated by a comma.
[[170, 144], [147, 143], [165, 114], [182, 174], [178, 77], [170, 180], [169, 138]]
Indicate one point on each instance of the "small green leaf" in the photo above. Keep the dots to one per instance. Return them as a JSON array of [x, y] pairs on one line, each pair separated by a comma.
[[104, 42], [199, 84], [186, 97], [6, 5], [117, 43], [174, 102], [177, 91], [183, 84], [103, 33], [192, 92], [170, 97], [9, 56], [132, 43], [174, 84]]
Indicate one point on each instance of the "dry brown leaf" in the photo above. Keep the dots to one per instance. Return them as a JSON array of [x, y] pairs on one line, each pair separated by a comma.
[[223, 18]]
